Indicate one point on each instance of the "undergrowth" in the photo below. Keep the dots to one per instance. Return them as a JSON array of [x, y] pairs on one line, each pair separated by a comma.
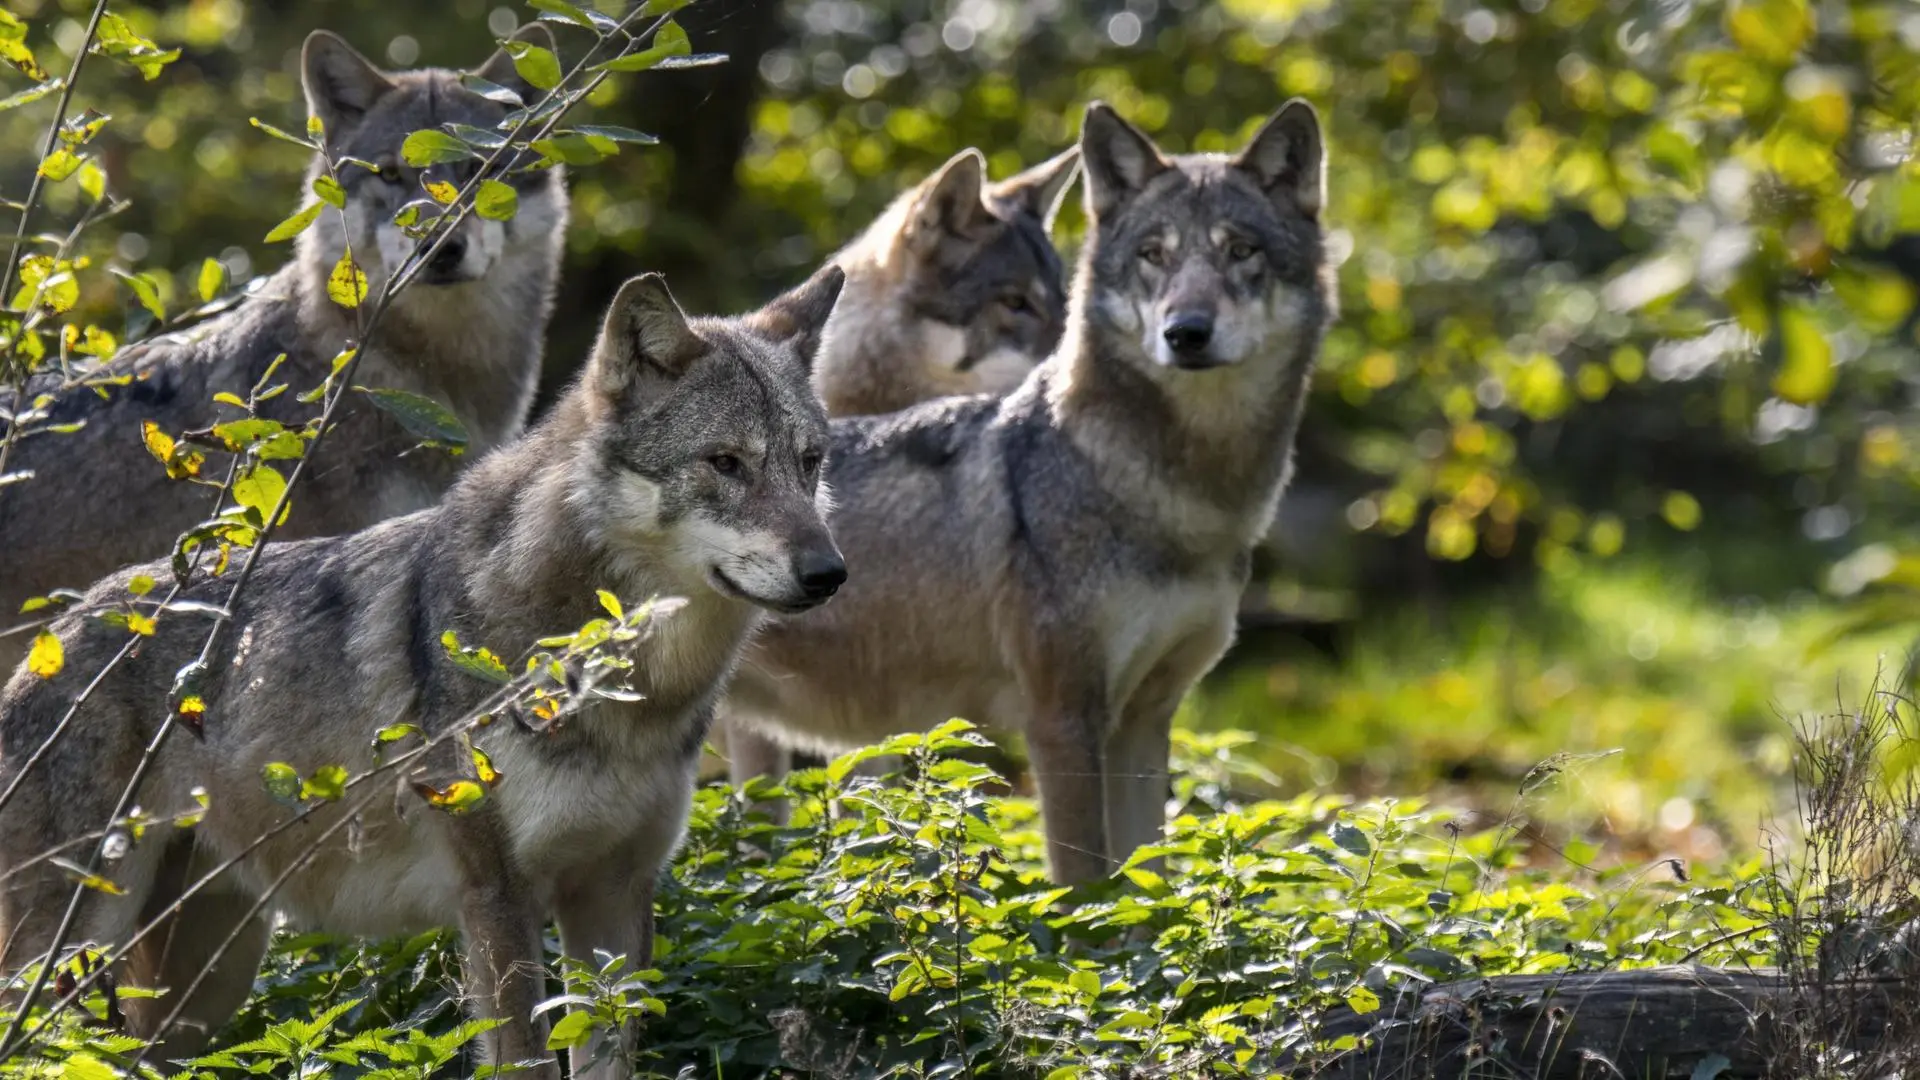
[[907, 929]]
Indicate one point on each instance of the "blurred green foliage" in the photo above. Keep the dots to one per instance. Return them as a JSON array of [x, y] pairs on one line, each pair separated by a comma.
[[1620, 281]]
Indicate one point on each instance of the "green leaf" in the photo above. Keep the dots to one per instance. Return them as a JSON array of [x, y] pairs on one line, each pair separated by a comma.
[[618, 134], [1362, 1000], [347, 284], [213, 279], [535, 64], [479, 661], [430, 147], [60, 164], [93, 180], [657, 8], [296, 224], [563, 9], [146, 291], [1806, 368], [328, 783], [611, 603], [496, 201], [14, 51], [330, 192], [288, 136], [574, 1029], [422, 416], [282, 782], [576, 149], [670, 41], [31, 94], [260, 491], [394, 733]]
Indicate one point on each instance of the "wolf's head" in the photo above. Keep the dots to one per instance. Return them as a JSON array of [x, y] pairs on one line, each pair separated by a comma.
[[1206, 260], [367, 113], [954, 290], [706, 444]]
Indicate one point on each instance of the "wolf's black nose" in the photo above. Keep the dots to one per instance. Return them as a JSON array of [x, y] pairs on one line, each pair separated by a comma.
[[821, 573], [452, 253], [1187, 331]]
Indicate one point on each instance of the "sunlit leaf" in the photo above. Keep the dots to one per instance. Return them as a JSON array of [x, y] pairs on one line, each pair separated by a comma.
[[456, 798], [430, 147], [296, 224], [347, 284], [496, 201], [1806, 373], [535, 64], [330, 192], [213, 279], [282, 782], [47, 656]]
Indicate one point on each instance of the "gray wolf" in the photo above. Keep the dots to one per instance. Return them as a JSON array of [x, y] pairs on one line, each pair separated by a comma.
[[954, 289], [684, 462], [1066, 561], [468, 333]]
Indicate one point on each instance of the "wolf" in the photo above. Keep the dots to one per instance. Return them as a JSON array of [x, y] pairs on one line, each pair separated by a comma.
[[468, 333], [1066, 561], [685, 461], [954, 289]]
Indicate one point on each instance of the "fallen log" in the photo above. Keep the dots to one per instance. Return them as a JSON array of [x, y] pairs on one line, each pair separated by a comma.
[[1690, 1021]]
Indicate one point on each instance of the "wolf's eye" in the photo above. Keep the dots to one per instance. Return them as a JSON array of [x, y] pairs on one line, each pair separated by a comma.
[[1240, 251], [1015, 303], [724, 464], [810, 462], [389, 172], [1153, 254]]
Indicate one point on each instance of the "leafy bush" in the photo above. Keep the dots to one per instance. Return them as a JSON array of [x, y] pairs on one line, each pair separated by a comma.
[[907, 929]]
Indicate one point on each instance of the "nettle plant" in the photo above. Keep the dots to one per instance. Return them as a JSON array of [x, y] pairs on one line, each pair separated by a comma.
[[904, 927]]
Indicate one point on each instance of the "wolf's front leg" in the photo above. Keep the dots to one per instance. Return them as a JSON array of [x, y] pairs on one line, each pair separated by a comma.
[[611, 912], [505, 978], [1066, 733]]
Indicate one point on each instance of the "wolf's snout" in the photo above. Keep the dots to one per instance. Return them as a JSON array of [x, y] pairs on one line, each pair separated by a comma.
[[1187, 333], [820, 573], [446, 262]]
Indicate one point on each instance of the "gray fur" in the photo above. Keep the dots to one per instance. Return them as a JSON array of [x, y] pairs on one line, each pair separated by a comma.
[[337, 637], [1067, 561], [955, 289], [467, 333]]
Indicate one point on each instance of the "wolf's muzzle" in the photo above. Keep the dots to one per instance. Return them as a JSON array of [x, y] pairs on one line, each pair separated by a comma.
[[820, 573], [1187, 334]]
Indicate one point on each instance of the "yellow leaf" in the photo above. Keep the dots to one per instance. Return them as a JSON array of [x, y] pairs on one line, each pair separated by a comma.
[[457, 798], [347, 284], [47, 657], [1806, 367], [442, 192], [140, 624], [159, 443], [1362, 1000]]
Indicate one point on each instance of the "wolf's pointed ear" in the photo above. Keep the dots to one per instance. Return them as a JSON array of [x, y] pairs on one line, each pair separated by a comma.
[[799, 316], [341, 84], [948, 203], [1118, 158], [499, 69], [1286, 158], [1039, 191], [645, 334]]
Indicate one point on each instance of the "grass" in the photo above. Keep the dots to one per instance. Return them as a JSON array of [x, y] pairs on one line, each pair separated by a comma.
[[1669, 712]]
